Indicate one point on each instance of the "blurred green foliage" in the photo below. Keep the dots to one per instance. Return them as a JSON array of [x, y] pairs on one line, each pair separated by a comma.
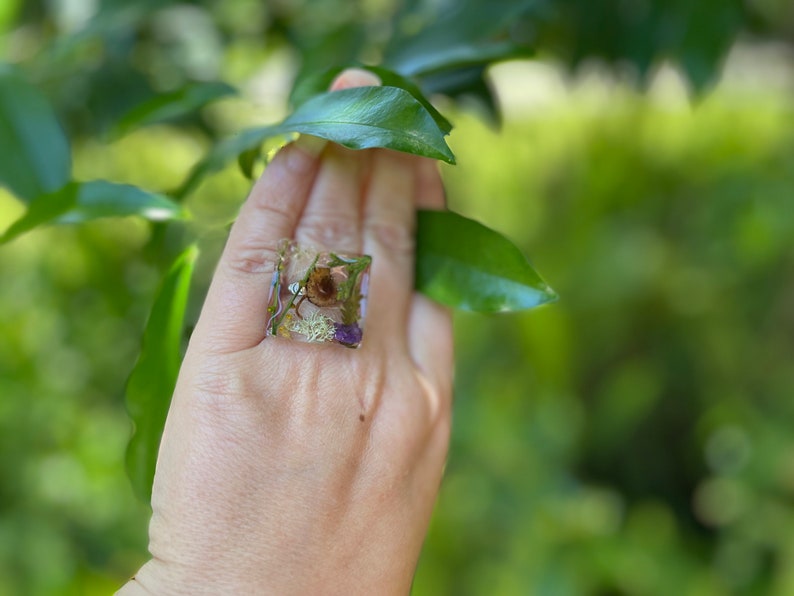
[[635, 438]]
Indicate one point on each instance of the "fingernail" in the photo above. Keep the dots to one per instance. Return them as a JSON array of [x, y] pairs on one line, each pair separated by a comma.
[[355, 77]]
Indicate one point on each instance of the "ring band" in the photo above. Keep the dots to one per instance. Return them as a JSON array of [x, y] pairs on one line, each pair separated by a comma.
[[318, 297]]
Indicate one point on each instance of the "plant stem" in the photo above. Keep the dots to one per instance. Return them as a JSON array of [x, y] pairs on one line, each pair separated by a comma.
[[301, 285]]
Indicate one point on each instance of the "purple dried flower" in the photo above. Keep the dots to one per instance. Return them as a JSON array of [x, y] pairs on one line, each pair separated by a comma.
[[349, 335]]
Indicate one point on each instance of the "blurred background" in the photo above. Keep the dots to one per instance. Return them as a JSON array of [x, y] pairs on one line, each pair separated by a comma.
[[637, 437]]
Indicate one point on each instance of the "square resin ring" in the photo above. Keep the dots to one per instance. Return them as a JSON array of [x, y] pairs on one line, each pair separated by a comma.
[[318, 297]]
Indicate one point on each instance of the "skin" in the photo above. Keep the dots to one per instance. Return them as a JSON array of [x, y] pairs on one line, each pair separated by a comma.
[[292, 468]]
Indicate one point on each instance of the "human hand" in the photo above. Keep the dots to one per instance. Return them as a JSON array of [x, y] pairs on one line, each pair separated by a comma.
[[294, 468]]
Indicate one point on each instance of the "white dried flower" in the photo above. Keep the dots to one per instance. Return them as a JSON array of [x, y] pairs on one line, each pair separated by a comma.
[[316, 327]]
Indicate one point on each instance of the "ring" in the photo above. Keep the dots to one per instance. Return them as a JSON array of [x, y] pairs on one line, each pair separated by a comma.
[[317, 296]]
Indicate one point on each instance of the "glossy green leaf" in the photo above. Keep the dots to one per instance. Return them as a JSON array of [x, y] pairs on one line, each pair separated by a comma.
[[318, 83], [34, 153], [152, 381], [83, 201], [393, 79], [367, 117], [172, 105], [358, 118], [465, 265]]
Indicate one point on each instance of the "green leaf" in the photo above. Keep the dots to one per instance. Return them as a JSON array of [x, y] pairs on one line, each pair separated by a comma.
[[392, 79], [465, 83], [34, 153], [709, 36], [313, 83], [461, 55], [318, 83], [461, 34], [465, 265], [172, 105], [8, 11], [358, 118], [152, 381], [367, 117], [329, 41], [223, 153], [247, 160], [83, 201]]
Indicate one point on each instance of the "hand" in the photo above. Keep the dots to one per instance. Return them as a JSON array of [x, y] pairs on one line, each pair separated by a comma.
[[293, 468]]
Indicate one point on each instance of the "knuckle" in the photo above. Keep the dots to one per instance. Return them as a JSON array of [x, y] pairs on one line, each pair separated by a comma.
[[256, 251], [331, 230], [274, 205], [253, 257], [394, 237]]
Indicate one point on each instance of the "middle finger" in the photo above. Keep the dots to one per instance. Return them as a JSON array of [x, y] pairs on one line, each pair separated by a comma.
[[331, 219]]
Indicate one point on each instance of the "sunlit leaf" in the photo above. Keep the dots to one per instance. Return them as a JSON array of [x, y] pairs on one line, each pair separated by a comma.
[[34, 153], [172, 105], [463, 264], [153, 378], [8, 10], [358, 118], [83, 201]]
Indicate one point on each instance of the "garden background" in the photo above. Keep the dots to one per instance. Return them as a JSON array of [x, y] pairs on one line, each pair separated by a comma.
[[636, 437]]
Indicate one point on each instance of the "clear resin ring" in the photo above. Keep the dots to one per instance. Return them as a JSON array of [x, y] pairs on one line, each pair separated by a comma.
[[318, 297]]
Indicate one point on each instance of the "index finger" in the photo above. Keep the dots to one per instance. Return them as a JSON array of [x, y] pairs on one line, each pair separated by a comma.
[[233, 315]]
